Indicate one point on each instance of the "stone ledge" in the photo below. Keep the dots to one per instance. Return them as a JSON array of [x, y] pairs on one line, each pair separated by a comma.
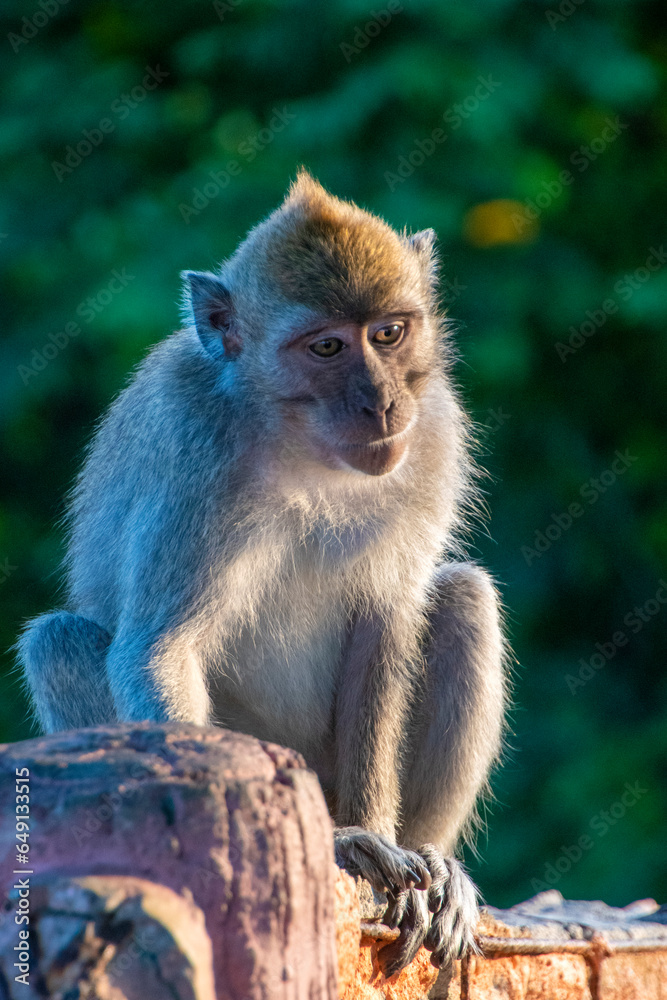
[[178, 863], [547, 948], [570, 950]]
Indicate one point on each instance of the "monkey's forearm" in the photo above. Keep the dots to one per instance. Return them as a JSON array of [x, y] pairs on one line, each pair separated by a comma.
[[371, 706]]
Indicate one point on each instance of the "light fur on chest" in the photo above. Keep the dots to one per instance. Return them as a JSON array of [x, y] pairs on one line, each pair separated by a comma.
[[279, 642]]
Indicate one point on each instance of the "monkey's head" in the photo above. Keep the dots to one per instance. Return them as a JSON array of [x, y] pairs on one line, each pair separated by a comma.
[[331, 316]]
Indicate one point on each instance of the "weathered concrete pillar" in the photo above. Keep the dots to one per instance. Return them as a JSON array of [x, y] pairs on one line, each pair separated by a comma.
[[166, 860]]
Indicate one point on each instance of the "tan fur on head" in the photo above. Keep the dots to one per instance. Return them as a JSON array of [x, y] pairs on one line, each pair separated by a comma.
[[341, 260]]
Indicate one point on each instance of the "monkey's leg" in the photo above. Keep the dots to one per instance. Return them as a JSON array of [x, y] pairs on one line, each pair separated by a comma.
[[458, 717], [456, 736], [63, 657]]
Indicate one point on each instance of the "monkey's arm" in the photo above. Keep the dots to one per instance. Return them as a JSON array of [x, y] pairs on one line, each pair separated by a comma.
[[154, 668], [371, 707], [372, 704]]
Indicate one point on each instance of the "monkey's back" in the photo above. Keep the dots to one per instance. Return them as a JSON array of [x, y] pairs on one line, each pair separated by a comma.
[[151, 458]]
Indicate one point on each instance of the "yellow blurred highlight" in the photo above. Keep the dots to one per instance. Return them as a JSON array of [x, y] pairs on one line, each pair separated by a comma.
[[493, 223]]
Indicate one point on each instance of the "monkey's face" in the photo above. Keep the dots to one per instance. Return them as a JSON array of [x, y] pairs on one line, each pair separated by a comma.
[[353, 390], [346, 390]]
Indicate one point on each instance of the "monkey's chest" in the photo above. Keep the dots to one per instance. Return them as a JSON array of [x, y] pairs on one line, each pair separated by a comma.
[[277, 663]]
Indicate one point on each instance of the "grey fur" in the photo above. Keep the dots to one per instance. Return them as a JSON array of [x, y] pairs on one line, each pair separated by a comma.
[[219, 571]]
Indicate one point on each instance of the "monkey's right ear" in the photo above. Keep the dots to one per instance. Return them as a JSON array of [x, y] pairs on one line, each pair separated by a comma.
[[208, 304], [423, 242]]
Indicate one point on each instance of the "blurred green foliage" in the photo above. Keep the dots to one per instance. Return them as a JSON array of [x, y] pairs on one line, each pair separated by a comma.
[[545, 183]]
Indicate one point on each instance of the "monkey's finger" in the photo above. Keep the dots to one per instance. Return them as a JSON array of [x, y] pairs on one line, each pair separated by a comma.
[[418, 881], [396, 909], [404, 869], [439, 876], [397, 954], [456, 942], [415, 873], [452, 929]]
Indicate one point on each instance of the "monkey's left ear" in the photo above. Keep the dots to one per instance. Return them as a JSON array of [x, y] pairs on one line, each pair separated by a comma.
[[424, 244], [209, 304]]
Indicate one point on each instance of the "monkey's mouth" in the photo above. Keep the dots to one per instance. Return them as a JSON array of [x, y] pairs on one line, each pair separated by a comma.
[[376, 458]]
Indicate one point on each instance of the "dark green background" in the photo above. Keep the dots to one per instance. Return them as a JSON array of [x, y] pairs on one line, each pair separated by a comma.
[[515, 289]]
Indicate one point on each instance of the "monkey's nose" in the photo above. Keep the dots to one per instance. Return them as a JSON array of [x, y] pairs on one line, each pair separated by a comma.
[[380, 413], [380, 409]]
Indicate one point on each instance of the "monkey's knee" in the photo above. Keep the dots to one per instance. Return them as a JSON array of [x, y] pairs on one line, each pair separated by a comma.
[[464, 613], [464, 587], [63, 657]]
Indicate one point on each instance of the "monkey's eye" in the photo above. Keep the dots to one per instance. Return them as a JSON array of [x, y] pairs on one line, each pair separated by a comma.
[[388, 334], [327, 348]]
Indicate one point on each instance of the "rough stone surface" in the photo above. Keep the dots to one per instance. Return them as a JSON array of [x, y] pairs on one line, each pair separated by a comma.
[[372, 904], [520, 977], [359, 972], [239, 825], [109, 937], [413, 983], [634, 977], [348, 929], [448, 984], [547, 948], [556, 949]]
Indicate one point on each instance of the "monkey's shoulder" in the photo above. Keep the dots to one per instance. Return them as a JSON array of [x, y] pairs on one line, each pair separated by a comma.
[[164, 437], [175, 379], [175, 394]]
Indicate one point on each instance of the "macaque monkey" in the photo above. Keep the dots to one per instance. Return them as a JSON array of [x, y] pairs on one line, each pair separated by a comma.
[[263, 537]]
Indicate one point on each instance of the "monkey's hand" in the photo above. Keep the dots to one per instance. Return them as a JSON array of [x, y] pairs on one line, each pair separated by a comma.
[[378, 860], [452, 900], [405, 877]]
